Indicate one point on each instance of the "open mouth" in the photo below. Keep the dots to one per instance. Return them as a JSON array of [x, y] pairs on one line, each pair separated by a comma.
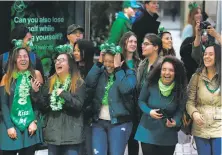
[[23, 63], [108, 68], [59, 68], [167, 78]]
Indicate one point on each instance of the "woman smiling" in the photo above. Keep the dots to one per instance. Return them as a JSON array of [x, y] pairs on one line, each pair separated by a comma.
[[113, 83], [63, 97], [204, 103], [20, 129], [161, 101]]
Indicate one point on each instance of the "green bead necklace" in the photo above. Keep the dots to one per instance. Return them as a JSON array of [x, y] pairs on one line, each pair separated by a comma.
[[210, 90]]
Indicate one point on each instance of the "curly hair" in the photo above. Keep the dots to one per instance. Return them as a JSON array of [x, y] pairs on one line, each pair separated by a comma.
[[180, 76]]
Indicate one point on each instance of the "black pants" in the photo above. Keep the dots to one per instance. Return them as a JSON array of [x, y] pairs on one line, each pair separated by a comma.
[[150, 149], [25, 151], [133, 145]]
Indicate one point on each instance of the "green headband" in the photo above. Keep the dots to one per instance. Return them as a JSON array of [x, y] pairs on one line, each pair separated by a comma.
[[19, 43], [111, 47], [192, 5], [66, 48]]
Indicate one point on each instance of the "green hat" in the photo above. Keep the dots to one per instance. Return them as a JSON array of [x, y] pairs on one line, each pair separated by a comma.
[[193, 5], [111, 47], [132, 3]]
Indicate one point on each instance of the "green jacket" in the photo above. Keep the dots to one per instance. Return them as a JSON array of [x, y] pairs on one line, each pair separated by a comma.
[[120, 26]]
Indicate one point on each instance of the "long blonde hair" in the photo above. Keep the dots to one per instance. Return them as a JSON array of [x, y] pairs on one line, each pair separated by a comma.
[[191, 19]]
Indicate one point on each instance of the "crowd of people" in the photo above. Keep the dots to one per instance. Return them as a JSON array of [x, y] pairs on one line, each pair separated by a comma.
[[137, 90]]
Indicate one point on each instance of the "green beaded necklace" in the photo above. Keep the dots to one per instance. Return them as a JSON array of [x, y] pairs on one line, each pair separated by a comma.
[[210, 90]]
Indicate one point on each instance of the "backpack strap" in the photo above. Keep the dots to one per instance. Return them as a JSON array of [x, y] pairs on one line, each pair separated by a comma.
[[33, 59], [5, 61]]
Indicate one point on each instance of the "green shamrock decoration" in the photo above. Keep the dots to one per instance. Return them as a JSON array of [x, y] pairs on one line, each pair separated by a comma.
[[19, 43], [162, 29], [192, 5], [66, 48], [111, 47]]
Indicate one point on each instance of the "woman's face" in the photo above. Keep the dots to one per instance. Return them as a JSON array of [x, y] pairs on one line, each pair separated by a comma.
[[22, 60], [167, 41], [209, 57], [109, 63], [131, 44], [62, 64], [147, 48], [76, 53], [198, 15], [167, 73]]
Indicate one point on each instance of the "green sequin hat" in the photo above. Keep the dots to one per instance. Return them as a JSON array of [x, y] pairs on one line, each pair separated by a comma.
[[110, 47], [66, 48]]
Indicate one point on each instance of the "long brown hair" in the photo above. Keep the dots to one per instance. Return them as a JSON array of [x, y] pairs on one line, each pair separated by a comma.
[[123, 43], [12, 67], [191, 19], [76, 80]]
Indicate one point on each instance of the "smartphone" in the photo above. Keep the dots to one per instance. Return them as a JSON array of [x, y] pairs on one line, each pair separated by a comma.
[[30, 77], [165, 115]]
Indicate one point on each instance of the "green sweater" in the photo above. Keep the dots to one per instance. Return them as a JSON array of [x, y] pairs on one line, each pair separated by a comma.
[[120, 26]]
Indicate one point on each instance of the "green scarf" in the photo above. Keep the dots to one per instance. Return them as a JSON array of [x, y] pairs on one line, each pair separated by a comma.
[[21, 112], [108, 86], [164, 89]]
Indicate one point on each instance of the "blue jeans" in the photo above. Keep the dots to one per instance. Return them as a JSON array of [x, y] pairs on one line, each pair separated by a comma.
[[112, 137], [86, 146], [63, 149], [208, 146]]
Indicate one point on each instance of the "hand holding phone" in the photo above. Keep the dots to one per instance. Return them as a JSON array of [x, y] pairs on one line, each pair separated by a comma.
[[35, 84], [165, 115], [154, 114]]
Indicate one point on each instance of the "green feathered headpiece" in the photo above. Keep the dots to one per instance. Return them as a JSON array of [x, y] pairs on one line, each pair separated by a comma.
[[66, 48], [111, 47], [192, 5], [19, 43]]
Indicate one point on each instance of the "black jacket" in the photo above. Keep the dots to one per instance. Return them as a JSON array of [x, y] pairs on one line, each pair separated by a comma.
[[143, 25], [63, 127], [185, 52]]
